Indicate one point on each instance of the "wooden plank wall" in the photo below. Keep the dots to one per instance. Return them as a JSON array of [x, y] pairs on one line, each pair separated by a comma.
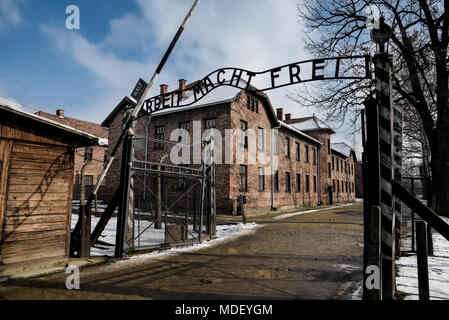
[[5, 151], [38, 197]]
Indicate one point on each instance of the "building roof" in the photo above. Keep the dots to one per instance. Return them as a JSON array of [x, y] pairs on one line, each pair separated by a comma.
[[291, 128], [85, 126], [125, 102], [220, 95], [94, 140], [308, 124], [343, 149]]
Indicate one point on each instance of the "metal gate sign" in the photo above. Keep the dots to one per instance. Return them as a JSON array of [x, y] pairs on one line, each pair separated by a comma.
[[351, 67]]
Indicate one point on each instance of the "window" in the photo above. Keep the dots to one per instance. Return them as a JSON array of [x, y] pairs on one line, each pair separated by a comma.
[[329, 170], [307, 183], [243, 178], [287, 182], [333, 185], [244, 136], [307, 153], [261, 179], [314, 156], [352, 169], [261, 139], [337, 165], [159, 136], [338, 186], [341, 165], [346, 167], [298, 182], [276, 181], [88, 180], [287, 147], [298, 151], [314, 183], [88, 154], [185, 126], [211, 123], [353, 190], [333, 163], [328, 146], [252, 104]]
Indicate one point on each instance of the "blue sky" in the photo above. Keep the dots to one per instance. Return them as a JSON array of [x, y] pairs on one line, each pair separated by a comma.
[[88, 71]]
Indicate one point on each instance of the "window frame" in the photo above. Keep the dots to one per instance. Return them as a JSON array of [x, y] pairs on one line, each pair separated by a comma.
[[245, 176], [288, 183], [261, 178]]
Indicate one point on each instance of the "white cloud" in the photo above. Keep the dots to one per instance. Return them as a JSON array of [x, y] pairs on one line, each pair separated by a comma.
[[10, 15], [252, 34]]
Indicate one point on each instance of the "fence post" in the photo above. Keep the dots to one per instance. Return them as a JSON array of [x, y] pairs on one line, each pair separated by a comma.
[[374, 257], [423, 268], [85, 216], [397, 168], [413, 214], [429, 240], [372, 173], [124, 197], [383, 96]]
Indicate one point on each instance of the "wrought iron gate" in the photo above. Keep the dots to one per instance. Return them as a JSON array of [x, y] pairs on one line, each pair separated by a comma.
[[170, 205]]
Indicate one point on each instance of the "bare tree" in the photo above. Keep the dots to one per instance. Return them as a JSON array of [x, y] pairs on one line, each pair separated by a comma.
[[419, 47]]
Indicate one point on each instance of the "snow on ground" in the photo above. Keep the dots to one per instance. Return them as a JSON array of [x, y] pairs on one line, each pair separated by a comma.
[[288, 215], [407, 279], [224, 233], [151, 236]]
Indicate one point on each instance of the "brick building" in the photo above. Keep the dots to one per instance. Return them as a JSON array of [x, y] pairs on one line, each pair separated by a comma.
[[96, 154], [304, 177]]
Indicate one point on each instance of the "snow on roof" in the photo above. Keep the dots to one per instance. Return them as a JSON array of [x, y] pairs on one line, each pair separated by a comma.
[[219, 95], [308, 124], [102, 142], [12, 104], [18, 108], [342, 148], [298, 131]]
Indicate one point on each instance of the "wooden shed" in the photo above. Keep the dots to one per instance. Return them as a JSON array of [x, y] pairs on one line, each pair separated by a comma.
[[36, 175]]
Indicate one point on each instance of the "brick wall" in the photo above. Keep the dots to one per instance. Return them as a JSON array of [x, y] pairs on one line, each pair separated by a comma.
[[228, 116]]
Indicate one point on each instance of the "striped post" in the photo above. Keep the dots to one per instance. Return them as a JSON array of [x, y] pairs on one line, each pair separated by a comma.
[[383, 95], [397, 167]]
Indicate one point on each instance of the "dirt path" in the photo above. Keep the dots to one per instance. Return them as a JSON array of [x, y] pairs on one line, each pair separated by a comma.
[[311, 256]]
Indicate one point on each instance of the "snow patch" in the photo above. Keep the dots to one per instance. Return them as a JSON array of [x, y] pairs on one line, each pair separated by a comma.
[[407, 279]]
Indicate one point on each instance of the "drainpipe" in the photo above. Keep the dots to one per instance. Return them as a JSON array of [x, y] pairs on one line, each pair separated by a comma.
[[271, 165]]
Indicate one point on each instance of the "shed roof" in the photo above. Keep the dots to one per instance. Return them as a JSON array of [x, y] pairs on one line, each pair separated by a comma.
[[84, 137]]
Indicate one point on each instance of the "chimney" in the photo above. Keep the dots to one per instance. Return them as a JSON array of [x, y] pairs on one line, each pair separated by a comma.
[[182, 86], [280, 113], [164, 89], [288, 116], [60, 113]]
